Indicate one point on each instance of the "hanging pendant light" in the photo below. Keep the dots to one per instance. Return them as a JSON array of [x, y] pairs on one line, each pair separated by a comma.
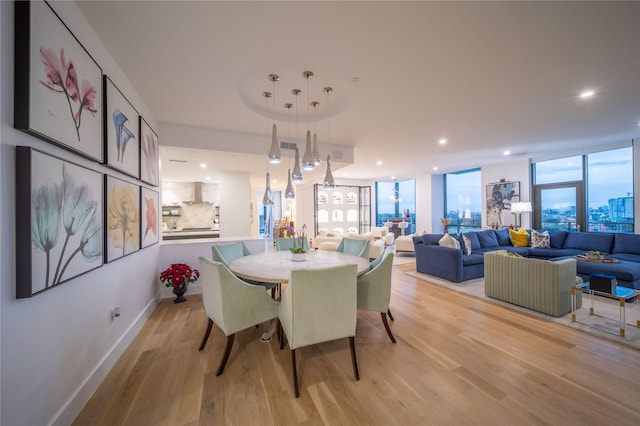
[[307, 158], [267, 200], [275, 156], [296, 175], [289, 193], [316, 154], [329, 182]]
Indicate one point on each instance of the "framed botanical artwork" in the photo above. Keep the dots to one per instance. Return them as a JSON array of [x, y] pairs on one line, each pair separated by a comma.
[[122, 213], [58, 85], [59, 219], [500, 195], [121, 140], [149, 202], [149, 156]]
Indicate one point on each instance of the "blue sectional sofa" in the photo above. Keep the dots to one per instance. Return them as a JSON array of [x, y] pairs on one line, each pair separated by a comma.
[[452, 264]]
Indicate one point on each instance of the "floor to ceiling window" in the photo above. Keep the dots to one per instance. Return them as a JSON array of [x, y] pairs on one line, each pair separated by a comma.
[[591, 193], [395, 199], [463, 200]]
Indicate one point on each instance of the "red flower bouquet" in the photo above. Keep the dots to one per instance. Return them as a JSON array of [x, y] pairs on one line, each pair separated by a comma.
[[179, 274]]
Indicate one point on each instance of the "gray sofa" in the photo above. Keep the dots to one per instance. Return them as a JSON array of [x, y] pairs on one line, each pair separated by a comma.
[[453, 265], [537, 284]]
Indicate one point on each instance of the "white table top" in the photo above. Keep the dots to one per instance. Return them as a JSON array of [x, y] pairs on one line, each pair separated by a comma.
[[275, 267]]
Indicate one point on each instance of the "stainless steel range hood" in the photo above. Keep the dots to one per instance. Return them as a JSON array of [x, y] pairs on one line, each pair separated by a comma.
[[197, 199]]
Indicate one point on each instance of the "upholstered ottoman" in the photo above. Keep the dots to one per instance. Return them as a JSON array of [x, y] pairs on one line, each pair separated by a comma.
[[376, 248], [328, 246], [404, 243]]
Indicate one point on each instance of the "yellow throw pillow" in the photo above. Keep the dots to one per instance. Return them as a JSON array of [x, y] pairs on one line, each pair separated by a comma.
[[519, 238]]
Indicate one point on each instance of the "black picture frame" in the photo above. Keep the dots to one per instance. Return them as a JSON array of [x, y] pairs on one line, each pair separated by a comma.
[[149, 154], [59, 221], [122, 130], [149, 215], [122, 218], [58, 85]]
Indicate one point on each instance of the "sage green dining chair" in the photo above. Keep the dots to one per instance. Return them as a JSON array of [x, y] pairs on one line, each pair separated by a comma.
[[232, 304], [227, 253], [355, 247], [374, 289], [318, 306], [289, 243]]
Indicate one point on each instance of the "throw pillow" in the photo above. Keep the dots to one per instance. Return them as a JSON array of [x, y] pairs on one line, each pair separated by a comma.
[[448, 241], [540, 239], [422, 232], [467, 245], [507, 253], [519, 238]]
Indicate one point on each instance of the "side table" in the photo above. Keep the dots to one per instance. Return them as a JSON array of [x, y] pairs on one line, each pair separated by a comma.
[[622, 294]]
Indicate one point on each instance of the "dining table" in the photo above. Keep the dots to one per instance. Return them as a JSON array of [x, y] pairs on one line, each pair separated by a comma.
[[276, 267]]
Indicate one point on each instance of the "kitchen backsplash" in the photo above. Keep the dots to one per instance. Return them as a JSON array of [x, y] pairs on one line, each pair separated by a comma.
[[189, 216]]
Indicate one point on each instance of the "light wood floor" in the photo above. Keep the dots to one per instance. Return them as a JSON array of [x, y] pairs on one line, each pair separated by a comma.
[[458, 361]]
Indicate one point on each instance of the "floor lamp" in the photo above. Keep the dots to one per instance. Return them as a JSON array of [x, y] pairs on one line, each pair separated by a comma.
[[519, 208]]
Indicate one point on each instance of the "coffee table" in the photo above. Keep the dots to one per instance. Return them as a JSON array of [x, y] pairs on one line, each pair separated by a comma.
[[623, 295]]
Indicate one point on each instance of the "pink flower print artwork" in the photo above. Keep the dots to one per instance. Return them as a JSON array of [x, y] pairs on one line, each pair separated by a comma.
[[62, 77]]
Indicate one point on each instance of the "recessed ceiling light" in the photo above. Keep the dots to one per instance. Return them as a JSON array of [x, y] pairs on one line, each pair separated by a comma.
[[507, 152], [435, 167], [587, 94], [379, 162], [203, 165], [208, 178], [393, 177], [442, 141]]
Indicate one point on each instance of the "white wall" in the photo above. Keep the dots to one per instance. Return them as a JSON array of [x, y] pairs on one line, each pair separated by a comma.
[[235, 196], [58, 346]]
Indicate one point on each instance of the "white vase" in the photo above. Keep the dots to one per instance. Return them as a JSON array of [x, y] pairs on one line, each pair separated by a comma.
[[298, 257]]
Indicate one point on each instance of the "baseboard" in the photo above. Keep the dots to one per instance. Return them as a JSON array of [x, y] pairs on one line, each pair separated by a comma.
[[67, 414]]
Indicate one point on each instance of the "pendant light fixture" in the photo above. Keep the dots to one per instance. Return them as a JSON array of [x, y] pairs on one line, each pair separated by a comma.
[[267, 200], [307, 158], [275, 156], [296, 175], [316, 154], [329, 182], [289, 193]]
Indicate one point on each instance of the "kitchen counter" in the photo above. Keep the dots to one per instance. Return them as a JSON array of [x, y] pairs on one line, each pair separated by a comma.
[[184, 234]]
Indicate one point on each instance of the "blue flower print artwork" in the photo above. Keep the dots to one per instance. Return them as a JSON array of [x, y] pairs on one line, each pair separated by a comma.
[[65, 221], [123, 135], [123, 147]]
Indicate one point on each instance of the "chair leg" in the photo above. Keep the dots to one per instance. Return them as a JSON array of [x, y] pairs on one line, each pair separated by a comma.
[[390, 316], [206, 334], [295, 373], [225, 357], [386, 326], [354, 361]]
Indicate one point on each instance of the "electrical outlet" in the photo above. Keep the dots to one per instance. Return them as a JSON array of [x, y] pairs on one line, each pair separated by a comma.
[[115, 312]]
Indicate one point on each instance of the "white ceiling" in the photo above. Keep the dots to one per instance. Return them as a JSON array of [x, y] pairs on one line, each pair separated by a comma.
[[488, 76]]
